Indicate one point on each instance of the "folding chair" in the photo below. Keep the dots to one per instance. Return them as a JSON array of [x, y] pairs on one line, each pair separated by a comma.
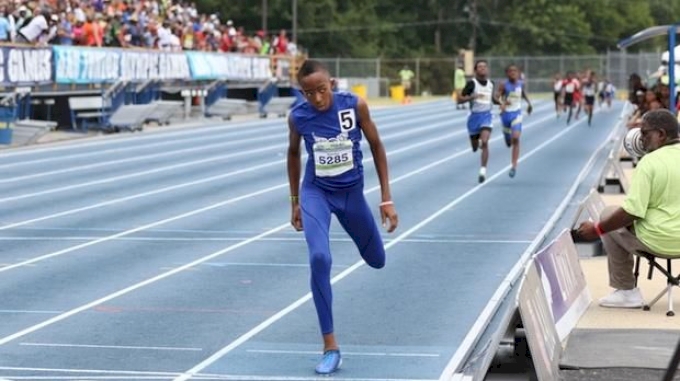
[[672, 281]]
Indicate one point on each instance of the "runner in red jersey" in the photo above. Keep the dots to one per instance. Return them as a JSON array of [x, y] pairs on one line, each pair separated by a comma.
[[569, 87]]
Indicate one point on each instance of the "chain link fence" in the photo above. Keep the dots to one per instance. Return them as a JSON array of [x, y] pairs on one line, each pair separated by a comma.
[[434, 76]]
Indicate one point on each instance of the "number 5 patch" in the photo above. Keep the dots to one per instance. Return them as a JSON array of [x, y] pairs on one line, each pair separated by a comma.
[[347, 119]]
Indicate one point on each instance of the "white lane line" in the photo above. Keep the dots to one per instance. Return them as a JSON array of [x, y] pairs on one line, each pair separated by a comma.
[[195, 128], [95, 371], [490, 308], [256, 264], [227, 377], [198, 232], [138, 229], [30, 312], [93, 229], [226, 132], [472, 241], [268, 239], [107, 180], [284, 378], [206, 180], [132, 159], [207, 160], [134, 196], [123, 139], [212, 232], [293, 306], [189, 265], [228, 249], [210, 179], [137, 174], [220, 204], [203, 147], [372, 354], [58, 345], [90, 378], [60, 214], [110, 151]]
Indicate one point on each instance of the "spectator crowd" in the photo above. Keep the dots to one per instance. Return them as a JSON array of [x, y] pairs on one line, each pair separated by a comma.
[[653, 95], [149, 24]]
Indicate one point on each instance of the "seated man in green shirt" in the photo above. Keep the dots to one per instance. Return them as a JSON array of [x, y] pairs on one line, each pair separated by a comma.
[[649, 219]]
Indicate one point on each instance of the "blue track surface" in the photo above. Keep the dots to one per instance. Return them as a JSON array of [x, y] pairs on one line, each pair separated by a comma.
[[169, 255]]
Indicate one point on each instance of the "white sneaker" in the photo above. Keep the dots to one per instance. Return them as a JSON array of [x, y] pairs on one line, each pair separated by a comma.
[[623, 299], [482, 174]]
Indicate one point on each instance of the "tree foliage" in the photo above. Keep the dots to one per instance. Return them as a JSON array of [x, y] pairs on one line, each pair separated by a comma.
[[402, 29]]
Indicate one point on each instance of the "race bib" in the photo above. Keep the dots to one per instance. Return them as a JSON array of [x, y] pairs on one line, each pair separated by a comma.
[[332, 158], [515, 97], [484, 98], [569, 88]]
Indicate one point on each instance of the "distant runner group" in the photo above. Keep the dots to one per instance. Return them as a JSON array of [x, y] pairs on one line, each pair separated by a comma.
[[576, 91]]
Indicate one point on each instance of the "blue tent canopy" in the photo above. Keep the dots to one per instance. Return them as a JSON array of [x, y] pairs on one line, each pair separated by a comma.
[[655, 31]]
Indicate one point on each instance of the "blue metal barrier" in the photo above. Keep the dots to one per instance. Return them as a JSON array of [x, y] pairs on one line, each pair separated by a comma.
[[129, 95], [8, 114], [23, 106], [148, 93], [265, 94], [298, 96], [119, 97], [215, 93]]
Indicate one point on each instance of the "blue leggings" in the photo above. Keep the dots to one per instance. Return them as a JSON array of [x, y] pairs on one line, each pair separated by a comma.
[[353, 213]]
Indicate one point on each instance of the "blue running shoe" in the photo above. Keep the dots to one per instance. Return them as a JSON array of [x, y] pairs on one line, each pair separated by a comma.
[[512, 172], [330, 363]]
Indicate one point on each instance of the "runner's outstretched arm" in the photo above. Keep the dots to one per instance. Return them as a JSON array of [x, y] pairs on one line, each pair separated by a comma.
[[387, 210]]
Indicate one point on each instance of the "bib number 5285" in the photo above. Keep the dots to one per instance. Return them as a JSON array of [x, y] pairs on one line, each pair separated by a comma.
[[334, 159]]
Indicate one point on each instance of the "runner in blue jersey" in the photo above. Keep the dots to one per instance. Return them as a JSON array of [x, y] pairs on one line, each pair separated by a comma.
[[511, 92], [479, 92], [331, 125]]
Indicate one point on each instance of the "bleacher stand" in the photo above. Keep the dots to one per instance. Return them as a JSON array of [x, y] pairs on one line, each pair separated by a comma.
[[132, 83]]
